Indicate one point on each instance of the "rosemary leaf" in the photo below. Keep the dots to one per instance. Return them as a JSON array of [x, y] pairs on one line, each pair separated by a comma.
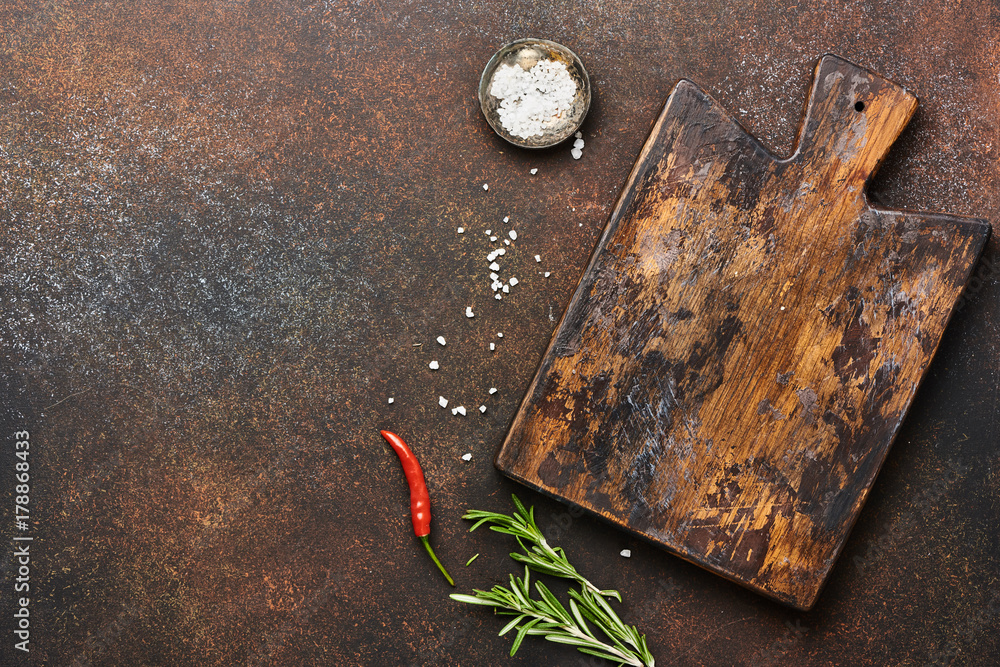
[[510, 625], [472, 599], [522, 632]]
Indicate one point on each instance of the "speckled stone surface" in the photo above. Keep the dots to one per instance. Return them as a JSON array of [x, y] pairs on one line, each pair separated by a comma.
[[226, 226]]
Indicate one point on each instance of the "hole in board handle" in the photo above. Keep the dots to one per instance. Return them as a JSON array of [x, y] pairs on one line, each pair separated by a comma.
[[859, 106]]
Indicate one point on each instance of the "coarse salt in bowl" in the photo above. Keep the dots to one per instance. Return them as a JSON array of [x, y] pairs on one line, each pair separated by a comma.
[[534, 93]]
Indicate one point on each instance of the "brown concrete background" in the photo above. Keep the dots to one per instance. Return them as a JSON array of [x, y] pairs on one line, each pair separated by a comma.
[[226, 224]]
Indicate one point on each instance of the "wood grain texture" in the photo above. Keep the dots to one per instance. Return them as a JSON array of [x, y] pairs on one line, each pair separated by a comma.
[[731, 371]]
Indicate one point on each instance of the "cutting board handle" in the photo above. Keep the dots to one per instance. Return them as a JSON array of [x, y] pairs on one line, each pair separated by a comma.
[[852, 117]]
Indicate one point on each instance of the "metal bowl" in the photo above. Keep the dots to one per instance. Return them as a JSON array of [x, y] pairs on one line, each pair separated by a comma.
[[527, 52]]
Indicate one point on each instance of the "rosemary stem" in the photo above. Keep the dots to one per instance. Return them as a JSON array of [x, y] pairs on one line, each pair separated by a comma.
[[622, 643], [580, 634], [574, 574]]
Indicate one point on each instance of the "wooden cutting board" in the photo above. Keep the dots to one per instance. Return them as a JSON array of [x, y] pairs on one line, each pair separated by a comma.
[[747, 338]]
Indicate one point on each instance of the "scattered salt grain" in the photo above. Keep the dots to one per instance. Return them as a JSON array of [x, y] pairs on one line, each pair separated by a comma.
[[494, 276], [513, 281], [506, 289], [391, 400], [506, 218], [441, 340], [547, 274], [493, 346], [501, 251], [493, 238], [489, 231], [467, 456], [434, 365], [512, 234], [534, 171], [468, 312], [579, 143], [494, 267], [482, 408], [442, 401], [493, 390], [461, 230], [576, 153], [497, 296], [626, 553], [506, 241], [538, 258], [499, 334], [460, 410], [578, 135], [486, 186]]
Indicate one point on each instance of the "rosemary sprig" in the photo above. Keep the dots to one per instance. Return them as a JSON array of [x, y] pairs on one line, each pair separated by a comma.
[[549, 618], [541, 557]]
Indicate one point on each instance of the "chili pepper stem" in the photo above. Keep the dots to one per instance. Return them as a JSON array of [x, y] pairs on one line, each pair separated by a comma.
[[427, 545]]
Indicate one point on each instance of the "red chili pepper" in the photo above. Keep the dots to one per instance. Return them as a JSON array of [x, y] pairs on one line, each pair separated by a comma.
[[420, 499]]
